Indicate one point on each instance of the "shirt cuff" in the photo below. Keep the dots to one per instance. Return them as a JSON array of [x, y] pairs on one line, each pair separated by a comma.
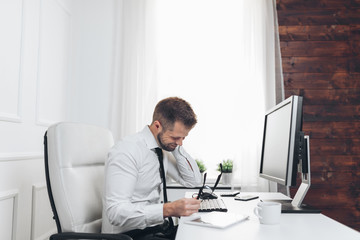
[[154, 214]]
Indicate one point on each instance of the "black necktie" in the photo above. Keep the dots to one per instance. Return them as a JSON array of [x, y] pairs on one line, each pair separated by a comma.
[[162, 175]]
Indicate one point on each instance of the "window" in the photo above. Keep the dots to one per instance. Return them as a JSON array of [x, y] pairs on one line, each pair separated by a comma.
[[219, 55], [213, 54]]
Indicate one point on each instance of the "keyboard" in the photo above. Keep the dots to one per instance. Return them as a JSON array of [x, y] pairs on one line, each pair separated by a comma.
[[210, 205]]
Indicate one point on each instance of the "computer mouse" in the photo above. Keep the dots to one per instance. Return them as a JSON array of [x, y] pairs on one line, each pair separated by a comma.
[[206, 195]]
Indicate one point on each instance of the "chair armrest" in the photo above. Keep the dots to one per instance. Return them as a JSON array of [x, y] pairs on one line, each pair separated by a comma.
[[81, 235]]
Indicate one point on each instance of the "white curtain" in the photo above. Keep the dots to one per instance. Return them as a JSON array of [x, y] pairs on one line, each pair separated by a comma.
[[134, 87], [222, 56]]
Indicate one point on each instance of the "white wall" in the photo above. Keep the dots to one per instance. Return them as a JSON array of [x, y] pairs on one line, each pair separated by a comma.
[[55, 65], [92, 55]]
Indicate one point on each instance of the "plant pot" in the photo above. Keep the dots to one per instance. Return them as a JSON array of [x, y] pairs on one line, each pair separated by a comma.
[[202, 175], [226, 178]]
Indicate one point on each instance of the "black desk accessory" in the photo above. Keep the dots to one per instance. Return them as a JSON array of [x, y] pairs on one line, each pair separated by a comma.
[[206, 192]]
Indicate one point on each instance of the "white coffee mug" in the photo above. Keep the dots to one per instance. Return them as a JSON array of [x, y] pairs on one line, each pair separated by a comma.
[[268, 212]]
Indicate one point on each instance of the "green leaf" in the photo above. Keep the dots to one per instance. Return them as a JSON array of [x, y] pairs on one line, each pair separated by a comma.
[[201, 165], [227, 166]]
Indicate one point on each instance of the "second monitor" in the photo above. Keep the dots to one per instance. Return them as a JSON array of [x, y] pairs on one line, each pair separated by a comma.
[[286, 151]]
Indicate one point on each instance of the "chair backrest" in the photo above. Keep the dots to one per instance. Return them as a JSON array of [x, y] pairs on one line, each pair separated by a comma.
[[75, 156]]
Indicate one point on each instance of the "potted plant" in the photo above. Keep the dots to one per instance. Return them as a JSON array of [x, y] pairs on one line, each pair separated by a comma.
[[201, 166], [227, 168]]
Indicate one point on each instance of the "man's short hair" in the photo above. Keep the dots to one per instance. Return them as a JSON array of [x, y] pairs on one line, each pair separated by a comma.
[[172, 109]]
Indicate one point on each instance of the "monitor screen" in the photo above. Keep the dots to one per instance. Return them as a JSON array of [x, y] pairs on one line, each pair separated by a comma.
[[281, 142]]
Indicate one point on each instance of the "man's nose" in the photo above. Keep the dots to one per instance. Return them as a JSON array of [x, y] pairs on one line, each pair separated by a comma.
[[179, 142]]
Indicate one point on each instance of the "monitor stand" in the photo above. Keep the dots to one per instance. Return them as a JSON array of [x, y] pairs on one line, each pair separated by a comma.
[[296, 205], [288, 207]]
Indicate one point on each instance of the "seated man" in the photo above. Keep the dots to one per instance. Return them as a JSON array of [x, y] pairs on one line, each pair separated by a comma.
[[133, 181]]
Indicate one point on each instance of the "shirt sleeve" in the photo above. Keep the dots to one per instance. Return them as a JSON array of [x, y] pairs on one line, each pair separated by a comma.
[[183, 168], [120, 181]]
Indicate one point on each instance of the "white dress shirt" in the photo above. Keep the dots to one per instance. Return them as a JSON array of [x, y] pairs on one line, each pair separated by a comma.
[[133, 184]]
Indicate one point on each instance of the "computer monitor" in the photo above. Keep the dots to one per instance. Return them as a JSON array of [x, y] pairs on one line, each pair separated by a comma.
[[286, 151], [281, 140]]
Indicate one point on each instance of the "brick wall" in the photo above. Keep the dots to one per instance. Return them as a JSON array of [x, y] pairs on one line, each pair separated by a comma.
[[320, 46]]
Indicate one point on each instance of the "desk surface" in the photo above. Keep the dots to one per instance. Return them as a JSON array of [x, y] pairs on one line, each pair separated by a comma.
[[292, 226]]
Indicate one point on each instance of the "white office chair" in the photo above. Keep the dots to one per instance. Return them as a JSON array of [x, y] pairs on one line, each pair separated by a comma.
[[74, 165]]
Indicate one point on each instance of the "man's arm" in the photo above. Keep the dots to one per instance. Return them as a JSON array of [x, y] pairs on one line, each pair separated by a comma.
[[121, 176], [181, 207], [183, 168]]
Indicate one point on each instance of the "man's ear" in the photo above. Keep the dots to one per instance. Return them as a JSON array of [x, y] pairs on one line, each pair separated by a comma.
[[158, 126]]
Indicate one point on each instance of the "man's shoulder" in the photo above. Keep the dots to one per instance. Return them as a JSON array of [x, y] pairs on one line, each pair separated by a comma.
[[128, 150], [129, 144]]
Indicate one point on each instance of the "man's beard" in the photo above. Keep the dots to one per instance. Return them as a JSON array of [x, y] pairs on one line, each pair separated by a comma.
[[167, 147]]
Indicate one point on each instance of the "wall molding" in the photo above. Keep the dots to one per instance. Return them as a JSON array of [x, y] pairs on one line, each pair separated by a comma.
[[5, 157], [10, 117], [12, 194], [17, 116], [40, 119], [36, 193]]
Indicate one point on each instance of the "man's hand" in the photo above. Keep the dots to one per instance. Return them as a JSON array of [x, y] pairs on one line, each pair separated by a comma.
[[181, 207]]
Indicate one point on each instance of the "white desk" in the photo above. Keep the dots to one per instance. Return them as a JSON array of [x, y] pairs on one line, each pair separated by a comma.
[[291, 227]]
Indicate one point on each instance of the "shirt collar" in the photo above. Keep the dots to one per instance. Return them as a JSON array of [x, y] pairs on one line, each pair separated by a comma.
[[149, 138]]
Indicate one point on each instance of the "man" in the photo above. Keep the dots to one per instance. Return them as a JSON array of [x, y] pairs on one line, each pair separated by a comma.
[[132, 178]]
